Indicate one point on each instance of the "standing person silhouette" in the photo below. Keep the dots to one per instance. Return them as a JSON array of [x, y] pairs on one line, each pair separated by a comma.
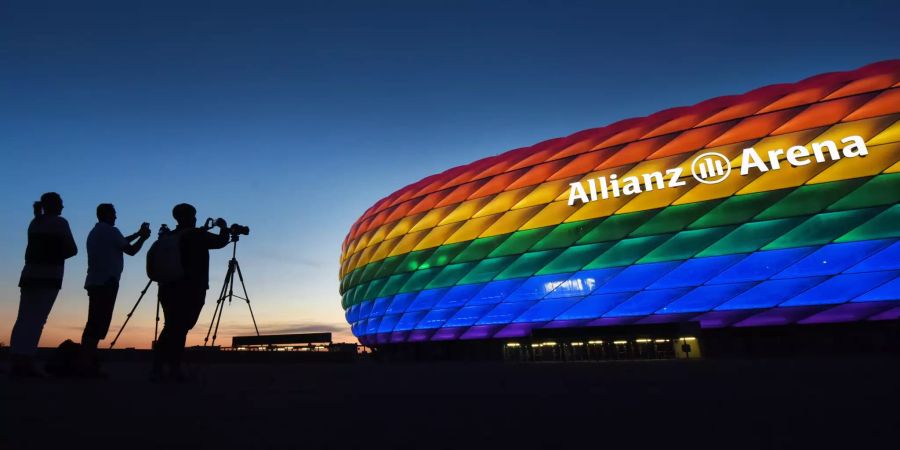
[[182, 300], [50, 243], [105, 247]]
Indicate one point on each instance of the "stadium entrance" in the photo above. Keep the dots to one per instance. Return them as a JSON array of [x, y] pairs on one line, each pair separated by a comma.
[[669, 341]]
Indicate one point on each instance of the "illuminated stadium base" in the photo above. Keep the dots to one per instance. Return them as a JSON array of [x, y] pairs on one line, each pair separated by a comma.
[[508, 249]]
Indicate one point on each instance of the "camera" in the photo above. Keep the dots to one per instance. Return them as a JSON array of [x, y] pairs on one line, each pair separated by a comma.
[[237, 230], [234, 230]]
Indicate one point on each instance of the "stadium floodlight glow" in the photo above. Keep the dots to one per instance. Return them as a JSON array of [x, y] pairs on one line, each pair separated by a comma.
[[721, 214]]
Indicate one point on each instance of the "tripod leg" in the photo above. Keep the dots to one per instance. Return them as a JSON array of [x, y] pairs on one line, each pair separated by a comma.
[[219, 302], [130, 313], [229, 296], [246, 296]]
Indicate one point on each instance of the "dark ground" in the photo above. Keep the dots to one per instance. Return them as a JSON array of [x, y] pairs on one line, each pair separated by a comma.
[[848, 402]]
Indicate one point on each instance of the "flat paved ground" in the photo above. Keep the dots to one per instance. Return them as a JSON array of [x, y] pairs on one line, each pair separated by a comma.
[[774, 403]]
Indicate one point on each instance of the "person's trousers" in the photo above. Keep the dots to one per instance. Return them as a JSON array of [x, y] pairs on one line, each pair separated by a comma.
[[35, 304], [181, 305], [102, 301]]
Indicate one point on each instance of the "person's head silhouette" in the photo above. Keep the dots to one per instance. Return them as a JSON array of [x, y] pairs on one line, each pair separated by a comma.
[[106, 213], [185, 215], [51, 204]]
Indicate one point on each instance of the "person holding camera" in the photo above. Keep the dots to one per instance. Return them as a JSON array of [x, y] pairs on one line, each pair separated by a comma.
[[50, 243], [182, 297], [105, 247]]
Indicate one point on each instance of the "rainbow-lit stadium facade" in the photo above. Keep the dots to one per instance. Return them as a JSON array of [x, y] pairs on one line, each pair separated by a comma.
[[495, 250]]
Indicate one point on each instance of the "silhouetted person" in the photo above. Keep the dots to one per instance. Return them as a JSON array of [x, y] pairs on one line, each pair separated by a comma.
[[105, 247], [50, 243], [183, 299]]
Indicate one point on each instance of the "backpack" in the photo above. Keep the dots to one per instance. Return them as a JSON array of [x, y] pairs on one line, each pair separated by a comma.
[[63, 362], [164, 259]]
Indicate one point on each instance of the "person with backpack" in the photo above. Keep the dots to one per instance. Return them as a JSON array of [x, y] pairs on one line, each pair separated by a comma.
[[105, 247], [179, 262], [50, 243]]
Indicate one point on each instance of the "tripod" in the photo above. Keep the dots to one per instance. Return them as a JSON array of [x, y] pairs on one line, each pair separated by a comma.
[[227, 292], [130, 313]]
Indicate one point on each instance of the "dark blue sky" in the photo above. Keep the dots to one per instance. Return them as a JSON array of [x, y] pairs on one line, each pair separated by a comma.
[[294, 117]]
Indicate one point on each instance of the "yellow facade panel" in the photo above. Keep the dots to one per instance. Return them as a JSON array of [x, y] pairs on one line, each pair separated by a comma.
[[503, 201], [511, 221], [867, 129], [879, 158], [432, 218], [593, 210], [466, 210], [785, 177], [658, 198], [380, 252], [552, 214], [701, 192], [351, 247], [606, 173], [362, 258], [403, 225], [471, 229], [437, 236], [546, 193], [782, 141], [378, 236], [407, 243], [890, 134]]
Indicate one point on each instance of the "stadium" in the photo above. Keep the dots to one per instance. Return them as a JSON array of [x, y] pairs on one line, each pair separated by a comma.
[[530, 254]]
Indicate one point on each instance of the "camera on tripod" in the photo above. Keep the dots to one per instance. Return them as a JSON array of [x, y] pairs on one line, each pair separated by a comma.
[[239, 230], [235, 230]]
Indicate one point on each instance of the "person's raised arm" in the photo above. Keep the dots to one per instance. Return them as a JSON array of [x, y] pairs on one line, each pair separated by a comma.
[[131, 248], [214, 241]]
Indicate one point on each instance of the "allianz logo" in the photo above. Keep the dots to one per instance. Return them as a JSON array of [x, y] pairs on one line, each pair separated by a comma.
[[713, 167]]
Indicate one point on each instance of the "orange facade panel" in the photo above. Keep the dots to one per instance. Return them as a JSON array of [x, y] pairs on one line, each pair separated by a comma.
[[754, 127], [887, 102], [582, 164], [802, 97], [823, 113], [537, 174], [634, 152], [737, 111], [693, 139], [868, 84], [460, 193], [680, 123], [498, 184]]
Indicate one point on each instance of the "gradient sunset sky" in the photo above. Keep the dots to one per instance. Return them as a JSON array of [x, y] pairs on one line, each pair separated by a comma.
[[294, 117]]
